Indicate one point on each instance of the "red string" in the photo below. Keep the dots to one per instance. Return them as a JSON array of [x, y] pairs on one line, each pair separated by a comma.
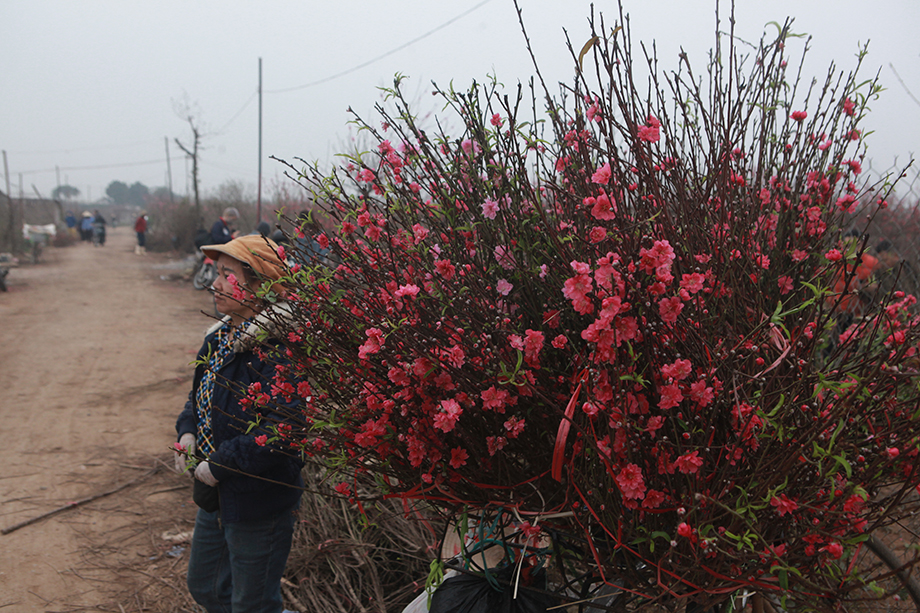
[[563, 433]]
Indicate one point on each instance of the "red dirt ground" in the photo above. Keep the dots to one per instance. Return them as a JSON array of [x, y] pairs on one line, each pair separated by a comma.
[[95, 345]]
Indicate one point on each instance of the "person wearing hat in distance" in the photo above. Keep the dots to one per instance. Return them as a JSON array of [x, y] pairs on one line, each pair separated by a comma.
[[247, 490], [224, 229]]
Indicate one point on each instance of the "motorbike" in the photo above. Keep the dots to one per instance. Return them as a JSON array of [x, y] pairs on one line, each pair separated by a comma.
[[205, 272], [6, 262], [98, 234]]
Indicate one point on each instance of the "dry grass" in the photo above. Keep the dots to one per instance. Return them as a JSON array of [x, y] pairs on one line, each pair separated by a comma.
[[340, 562]]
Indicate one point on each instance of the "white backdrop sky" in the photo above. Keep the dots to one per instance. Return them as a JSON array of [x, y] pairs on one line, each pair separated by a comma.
[[88, 88]]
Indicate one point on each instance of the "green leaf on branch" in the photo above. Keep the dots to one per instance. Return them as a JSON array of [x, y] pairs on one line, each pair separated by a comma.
[[846, 465], [507, 377]]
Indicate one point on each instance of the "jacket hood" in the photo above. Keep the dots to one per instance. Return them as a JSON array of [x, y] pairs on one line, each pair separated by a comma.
[[268, 324]]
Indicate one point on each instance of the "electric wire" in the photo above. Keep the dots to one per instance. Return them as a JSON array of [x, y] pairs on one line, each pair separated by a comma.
[[379, 57]]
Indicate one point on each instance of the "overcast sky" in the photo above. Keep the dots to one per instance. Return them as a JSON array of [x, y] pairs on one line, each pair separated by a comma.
[[90, 87]]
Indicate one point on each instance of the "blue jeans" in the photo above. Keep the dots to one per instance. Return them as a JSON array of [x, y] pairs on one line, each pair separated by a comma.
[[237, 568]]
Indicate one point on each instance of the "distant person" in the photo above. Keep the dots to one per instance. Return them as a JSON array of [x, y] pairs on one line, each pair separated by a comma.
[[224, 229], [279, 237], [892, 274], [86, 227], [264, 229], [71, 221], [140, 227], [98, 228], [309, 251]]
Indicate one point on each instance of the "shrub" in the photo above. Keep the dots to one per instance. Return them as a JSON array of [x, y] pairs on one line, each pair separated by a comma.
[[634, 317]]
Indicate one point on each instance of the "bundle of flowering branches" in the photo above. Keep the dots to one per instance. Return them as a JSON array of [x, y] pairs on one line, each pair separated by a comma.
[[631, 308]]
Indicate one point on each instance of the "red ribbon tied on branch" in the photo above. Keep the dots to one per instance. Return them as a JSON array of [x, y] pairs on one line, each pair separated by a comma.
[[563, 432]]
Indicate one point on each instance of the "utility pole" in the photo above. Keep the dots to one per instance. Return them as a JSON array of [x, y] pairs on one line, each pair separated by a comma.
[[168, 171], [9, 203], [6, 173], [259, 191]]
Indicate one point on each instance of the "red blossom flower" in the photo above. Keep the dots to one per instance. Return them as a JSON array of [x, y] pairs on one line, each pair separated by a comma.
[[445, 269], [651, 131], [654, 424], [514, 426], [458, 457], [671, 396], [343, 489], [833, 549], [785, 284], [669, 309], [631, 482], [373, 343], [602, 207], [533, 344], [446, 419], [678, 370], [849, 107], [601, 176], [783, 504], [692, 282], [495, 399], [495, 444], [489, 209], [689, 463]]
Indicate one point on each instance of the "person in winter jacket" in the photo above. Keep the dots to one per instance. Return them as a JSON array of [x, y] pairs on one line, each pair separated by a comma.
[[247, 489], [140, 227], [224, 229]]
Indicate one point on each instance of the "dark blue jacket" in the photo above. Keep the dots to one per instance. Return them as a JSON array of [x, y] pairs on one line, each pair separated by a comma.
[[243, 497], [220, 233]]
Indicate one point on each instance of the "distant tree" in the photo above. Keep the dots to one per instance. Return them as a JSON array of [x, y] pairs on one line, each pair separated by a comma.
[[189, 112], [65, 192], [118, 191], [138, 194], [162, 194]]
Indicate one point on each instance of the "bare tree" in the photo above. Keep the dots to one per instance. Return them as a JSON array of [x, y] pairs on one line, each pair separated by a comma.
[[189, 112]]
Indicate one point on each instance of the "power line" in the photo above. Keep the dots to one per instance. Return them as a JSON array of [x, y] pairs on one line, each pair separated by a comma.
[[903, 84], [100, 167], [379, 57], [75, 149], [239, 112]]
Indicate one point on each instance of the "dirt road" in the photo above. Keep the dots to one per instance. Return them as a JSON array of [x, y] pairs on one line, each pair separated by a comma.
[[95, 345]]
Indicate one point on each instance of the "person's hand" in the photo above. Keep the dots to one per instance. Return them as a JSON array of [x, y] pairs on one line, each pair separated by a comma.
[[184, 448], [203, 474]]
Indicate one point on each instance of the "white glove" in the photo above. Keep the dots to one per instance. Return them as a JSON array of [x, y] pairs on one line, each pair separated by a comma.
[[203, 474], [186, 442]]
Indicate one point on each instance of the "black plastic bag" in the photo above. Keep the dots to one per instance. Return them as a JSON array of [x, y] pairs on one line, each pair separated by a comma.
[[473, 594], [205, 496]]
